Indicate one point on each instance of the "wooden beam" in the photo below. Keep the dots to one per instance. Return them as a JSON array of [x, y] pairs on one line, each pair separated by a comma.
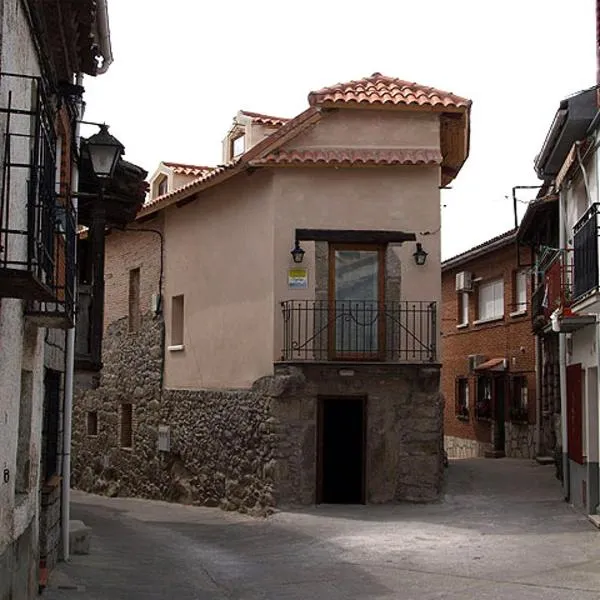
[[352, 236]]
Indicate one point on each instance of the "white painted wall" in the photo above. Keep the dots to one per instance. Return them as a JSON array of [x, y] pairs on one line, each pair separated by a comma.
[[17, 350]]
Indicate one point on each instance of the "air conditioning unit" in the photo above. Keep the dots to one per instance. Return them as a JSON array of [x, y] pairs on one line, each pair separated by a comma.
[[475, 360], [464, 281]]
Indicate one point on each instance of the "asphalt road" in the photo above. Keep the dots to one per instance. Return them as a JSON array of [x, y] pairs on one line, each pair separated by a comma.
[[502, 531]]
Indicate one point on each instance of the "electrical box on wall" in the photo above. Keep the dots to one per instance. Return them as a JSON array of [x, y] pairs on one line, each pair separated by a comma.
[[464, 281], [164, 438]]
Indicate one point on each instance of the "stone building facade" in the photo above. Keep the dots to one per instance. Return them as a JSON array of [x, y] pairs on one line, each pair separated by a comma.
[[240, 374], [495, 350]]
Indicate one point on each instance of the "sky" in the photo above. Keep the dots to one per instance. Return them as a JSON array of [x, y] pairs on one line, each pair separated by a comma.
[[183, 68]]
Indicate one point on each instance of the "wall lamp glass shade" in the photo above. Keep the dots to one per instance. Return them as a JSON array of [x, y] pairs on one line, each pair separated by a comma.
[[420, 255], [105, 151]]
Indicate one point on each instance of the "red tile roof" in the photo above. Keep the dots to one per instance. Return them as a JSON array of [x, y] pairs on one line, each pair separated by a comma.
[[183, 169], [381, 90], [264, 119], [285, 133], [352, 156]]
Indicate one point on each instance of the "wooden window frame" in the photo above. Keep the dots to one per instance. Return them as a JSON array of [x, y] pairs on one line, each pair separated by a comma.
[[379, 355]]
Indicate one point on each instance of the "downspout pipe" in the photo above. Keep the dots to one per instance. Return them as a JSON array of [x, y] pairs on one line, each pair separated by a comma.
[[562, 364], [70, 363], [104, 36]]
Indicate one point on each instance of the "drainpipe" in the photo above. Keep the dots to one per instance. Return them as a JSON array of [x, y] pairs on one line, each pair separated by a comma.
[[104, 36], [562, 362], [70, 368]]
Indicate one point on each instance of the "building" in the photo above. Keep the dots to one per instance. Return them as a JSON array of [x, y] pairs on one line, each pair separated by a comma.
[[271, 330], [45, 50], [567, 163], [488, 356]]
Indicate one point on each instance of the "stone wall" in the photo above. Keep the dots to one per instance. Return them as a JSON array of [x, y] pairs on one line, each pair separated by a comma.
[[404, 428], [221, 442], [457, 447], [519, 441], [251, 449], [18, 566]]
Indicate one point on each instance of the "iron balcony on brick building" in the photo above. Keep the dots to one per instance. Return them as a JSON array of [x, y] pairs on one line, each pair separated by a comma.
[[359, 330], [37, 222]]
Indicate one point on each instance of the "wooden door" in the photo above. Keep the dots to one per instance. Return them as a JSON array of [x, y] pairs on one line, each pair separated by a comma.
[[574, 413]]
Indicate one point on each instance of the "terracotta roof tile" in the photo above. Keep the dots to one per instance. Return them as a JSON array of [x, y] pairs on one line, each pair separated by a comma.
[[264, 119], [381, 90], [183, 169], [353, 156]]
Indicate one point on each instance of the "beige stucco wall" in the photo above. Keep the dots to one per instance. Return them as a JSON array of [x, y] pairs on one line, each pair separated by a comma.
[[228, 252], [372, 129], [387, 198], [219, 255]]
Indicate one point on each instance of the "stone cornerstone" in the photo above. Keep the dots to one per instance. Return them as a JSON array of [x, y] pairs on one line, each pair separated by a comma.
[[252, 449]]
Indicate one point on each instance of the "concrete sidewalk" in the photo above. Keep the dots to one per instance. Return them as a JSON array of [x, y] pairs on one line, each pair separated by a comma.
[[502, 531]]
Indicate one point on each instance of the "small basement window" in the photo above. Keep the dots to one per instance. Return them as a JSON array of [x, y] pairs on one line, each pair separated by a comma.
[[92, 422], [126, 425]]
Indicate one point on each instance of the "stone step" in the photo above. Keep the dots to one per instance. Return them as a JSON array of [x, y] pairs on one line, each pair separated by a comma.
[[544, 460], [80, 537]]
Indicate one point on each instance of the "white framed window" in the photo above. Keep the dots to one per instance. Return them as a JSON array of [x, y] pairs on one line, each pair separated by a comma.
[[463, 308], [163, 187], [520, 291], [238, 145], [491, 300]]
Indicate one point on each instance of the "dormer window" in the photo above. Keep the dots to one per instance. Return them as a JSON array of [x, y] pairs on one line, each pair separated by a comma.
[[163, 187], [238, 145]]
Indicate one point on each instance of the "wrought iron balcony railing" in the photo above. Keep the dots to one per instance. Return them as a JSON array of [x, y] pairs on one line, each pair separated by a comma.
[[359, 330], [37, 229], [585, 259]]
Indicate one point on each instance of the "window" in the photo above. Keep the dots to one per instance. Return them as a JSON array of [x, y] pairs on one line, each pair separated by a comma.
[[462, 398], [134, 299], [491, 300], [463, 308], [50, 427], [520, 298], [163, 187], [126, 425], [518, 399], [22, 481], [177, 321], [238, 145], [483, 406], [92, 422]]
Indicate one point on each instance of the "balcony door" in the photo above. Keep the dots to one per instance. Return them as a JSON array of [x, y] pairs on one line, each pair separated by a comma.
[[356, 296]]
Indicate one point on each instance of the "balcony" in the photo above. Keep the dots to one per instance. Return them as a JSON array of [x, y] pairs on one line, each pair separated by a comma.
[[555, 290], [359, 331], [37, 229], [585, 242]]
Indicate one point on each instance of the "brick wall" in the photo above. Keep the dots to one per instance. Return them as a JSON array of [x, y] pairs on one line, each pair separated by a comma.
[[509, 338], [126, 250]]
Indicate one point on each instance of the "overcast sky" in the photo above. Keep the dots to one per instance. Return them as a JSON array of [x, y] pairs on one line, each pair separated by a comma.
[[184, 67]]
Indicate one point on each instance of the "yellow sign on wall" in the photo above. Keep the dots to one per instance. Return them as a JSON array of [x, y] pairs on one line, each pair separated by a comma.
[[298, 279]]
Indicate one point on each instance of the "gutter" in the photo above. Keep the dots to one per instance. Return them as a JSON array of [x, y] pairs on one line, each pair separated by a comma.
[[505, 240], [104, 35]]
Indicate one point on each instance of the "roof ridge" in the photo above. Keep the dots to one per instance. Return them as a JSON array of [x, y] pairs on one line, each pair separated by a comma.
[[498, 238]]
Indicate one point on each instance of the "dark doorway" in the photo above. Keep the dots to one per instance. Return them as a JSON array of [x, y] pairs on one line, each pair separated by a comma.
[[499, 413], [341, 459]]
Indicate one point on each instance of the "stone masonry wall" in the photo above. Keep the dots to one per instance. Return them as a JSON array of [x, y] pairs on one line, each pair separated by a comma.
[[221, 442]]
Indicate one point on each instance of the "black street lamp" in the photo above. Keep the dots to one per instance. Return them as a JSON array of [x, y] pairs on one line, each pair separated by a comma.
[[105, 151]]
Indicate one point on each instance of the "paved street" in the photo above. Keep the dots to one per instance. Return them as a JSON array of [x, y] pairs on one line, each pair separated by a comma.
[[503, 531]]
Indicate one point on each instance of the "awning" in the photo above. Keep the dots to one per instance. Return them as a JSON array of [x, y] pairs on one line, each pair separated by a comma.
[[493, 364]]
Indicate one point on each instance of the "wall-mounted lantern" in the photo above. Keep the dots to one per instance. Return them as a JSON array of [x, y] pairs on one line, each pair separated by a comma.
[[420, 255], [297, 253]]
